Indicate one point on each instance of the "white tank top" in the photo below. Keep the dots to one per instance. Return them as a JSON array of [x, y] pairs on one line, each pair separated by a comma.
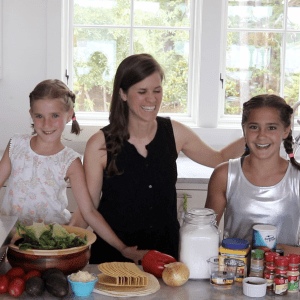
[[247, 205]]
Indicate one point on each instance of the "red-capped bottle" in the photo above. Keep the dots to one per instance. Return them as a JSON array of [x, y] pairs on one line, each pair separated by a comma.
[[269, 272]]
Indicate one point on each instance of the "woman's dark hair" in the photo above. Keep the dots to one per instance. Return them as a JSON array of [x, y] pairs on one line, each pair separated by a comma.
[[285, 114], [132, 70], [55, 89]]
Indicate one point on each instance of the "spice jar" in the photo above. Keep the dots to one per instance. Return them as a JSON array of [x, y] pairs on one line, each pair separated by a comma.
[[281, 263], [199, 240], [238, 249], [257, 263], [293, 273], [280, 284], [269, 272], [294, 261]]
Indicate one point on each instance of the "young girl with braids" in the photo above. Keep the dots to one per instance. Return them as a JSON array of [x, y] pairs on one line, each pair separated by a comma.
[[39, 166], [261, 187]]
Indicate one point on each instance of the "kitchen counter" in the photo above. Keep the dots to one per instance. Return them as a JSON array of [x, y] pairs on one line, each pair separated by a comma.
[[192, 290]]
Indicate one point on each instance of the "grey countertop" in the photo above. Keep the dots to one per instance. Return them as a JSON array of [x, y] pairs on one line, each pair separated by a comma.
[[192, 290]]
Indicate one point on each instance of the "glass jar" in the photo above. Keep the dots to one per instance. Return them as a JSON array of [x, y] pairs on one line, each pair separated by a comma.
[[257, 263], [199, 240]]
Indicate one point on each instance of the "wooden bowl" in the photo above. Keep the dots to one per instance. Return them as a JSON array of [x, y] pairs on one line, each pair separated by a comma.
[[68, 260]]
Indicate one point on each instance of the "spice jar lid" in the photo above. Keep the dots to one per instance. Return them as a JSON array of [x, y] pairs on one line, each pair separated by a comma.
[[282, 261], [270, 256], [235, 243], [294, 258], [258, 253]]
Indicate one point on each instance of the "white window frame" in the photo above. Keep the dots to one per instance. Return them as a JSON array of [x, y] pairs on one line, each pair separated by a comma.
[[206, 54]]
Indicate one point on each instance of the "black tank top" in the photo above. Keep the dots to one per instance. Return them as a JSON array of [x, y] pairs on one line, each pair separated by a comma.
[[141, 204]]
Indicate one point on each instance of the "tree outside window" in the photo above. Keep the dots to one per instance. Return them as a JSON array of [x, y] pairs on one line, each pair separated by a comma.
[[107, 31], [263, 51]]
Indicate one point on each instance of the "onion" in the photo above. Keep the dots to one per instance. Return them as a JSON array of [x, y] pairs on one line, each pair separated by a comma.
[[175, 274]]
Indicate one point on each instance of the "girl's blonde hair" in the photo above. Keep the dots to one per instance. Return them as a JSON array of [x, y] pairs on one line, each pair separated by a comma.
[[55, 89]]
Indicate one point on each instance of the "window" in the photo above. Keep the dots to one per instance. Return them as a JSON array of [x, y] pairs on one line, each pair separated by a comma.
[[203, 85], [262, 51], [104, 32]]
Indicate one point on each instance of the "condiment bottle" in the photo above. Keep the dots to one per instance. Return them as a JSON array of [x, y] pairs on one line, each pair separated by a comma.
[[269, 271], [238, 249], [199, 240], [257, 263]]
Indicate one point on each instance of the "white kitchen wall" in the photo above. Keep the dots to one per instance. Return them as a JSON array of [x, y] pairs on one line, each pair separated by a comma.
[[24, 62]]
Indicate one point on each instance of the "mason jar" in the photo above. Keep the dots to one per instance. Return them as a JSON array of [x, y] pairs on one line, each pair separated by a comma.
[[199, 240]]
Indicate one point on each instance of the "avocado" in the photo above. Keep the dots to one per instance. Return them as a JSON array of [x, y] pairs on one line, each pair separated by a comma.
[[57, 285], [58, 272], [35, 286]]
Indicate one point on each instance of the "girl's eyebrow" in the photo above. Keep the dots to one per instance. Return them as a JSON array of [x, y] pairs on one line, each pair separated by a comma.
[[255, 123]]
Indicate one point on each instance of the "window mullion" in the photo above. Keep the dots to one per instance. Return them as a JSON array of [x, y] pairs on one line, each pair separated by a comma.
[[131, 25], [284, 38]]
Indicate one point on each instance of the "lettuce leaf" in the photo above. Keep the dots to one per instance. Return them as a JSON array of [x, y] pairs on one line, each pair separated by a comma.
[[47, 239]]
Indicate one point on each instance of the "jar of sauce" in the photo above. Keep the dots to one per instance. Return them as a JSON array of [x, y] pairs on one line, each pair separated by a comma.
[[199, 240]]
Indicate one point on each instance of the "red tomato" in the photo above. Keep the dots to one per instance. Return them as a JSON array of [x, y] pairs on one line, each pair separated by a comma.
[[32, 273], [4, 281], [15, 272], [16, 286]]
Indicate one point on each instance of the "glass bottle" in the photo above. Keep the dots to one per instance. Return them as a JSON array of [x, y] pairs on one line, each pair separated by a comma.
[[199, 240]]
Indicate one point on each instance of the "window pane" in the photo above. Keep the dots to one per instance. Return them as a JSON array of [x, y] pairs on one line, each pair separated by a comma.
[[255, 13], [293, 20], [171, 49], [102, 12], [162, 13], [253, 65], [292, 68], [97, 54]]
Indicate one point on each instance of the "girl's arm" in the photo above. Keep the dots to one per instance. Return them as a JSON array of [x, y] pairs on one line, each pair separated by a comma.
[[192, 146], [5, 166], [94, 165], [216, 194]]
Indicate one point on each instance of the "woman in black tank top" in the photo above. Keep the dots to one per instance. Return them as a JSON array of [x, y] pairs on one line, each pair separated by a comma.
[[131, 165]]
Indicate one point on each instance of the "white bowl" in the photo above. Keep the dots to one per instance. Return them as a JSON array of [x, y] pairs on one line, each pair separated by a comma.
[[254, 286]]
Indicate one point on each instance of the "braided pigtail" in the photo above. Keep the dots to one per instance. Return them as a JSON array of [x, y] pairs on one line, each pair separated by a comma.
[[247, 150], [288, 146], [75, 125]]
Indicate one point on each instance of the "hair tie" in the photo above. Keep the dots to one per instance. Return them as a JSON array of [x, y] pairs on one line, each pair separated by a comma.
[[74, 119], [291, 155]]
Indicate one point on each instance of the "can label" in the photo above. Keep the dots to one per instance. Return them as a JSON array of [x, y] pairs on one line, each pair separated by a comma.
[[264, 235], [293, 284]]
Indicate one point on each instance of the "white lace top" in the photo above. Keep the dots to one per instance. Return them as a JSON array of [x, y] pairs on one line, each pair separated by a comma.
[[36, 188]]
